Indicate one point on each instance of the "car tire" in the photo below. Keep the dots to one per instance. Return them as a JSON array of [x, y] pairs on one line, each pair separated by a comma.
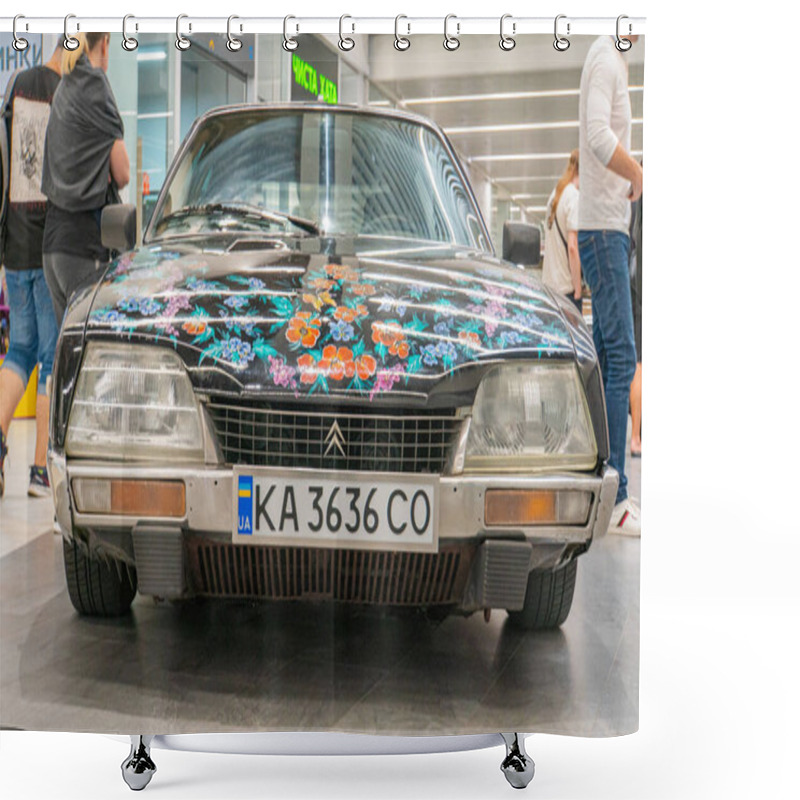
[[548, 598], [98, 588]]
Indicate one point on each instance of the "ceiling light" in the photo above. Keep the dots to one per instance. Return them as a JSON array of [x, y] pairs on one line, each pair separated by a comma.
[[522, 126], [472, 98], [531, 157]]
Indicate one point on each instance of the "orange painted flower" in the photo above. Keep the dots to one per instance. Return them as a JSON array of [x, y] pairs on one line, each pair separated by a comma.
[[363, 289], [337, 362], [322, 284], [365, 366], [341, 272], [303, 328], [308, 368], [347, 314], [390, 335], [194, 327], [470, 338]]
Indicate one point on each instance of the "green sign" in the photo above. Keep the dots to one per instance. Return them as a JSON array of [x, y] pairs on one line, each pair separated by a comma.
[[313, 81]]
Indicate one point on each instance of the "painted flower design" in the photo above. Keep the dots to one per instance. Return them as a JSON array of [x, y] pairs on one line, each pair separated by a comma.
[[309, 370], [255, 284], [341, 272], [341, 331], [386, 379], [322, 284], [347, 314], [337, 362], [237, 352], [365, 366], [469, 339], [363, 289], [303, 328], [391, 336], [282, 374], [441, 351], [319, 300], [389, 304], [112, 317], [509, 338], [194, 327], [236, 301]]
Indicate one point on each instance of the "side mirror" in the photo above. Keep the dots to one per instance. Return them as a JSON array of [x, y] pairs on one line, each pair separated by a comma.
[[521, 244], [118, 227]]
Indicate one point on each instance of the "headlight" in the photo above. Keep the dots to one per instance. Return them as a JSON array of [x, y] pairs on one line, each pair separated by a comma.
[[134, 403], [530, 417]]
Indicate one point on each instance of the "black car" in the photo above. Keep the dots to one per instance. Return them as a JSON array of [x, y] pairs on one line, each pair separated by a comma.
[[315, 380]]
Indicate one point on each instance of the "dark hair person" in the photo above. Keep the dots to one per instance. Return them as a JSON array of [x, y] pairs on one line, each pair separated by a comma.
[[85, 163], [562, 262]]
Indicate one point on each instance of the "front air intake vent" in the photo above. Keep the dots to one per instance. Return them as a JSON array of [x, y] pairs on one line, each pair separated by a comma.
[[348, 576]]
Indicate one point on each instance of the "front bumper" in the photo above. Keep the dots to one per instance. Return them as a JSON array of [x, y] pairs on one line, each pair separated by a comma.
[[501, 557], [209, 493]]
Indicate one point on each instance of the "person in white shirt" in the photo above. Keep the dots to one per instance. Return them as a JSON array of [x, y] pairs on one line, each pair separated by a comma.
[[610, 180], [562, 261]]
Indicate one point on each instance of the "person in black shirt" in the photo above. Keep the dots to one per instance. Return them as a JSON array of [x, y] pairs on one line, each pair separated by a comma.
[[34, 329], [85, 163]]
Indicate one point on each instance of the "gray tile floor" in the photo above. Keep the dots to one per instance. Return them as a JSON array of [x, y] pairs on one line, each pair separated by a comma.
[[240, 666]]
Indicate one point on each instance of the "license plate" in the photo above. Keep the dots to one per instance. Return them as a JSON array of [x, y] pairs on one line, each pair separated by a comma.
[[321, 509]]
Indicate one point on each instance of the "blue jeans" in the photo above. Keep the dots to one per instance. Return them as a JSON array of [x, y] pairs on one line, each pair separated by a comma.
[[34, 329], [604, 260]]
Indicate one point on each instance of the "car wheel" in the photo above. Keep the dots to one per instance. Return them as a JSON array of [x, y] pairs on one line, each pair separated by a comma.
[[548, 598], [98, 588]]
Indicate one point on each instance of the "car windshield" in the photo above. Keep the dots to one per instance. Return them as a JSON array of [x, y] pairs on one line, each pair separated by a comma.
[[315, 172]]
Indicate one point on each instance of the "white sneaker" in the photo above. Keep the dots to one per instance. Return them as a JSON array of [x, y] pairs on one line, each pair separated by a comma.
[[626, 519]]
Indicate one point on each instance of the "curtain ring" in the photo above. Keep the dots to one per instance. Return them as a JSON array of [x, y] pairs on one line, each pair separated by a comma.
[[507, 42], [19, 44], [233, 44], [129, 43], [451, 43], [289, 44], [70, 42], [345, 42], [401, 43], [561, 43], [623, 45], [181, 42]]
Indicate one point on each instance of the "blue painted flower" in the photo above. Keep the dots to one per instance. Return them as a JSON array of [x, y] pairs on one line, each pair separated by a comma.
[[341, 331], [111, 317], [446, 351], [148, 307], [430, 355], [441, 329], [398, 306], [236, 351], [509, 338], [236, 301], [255, 283]]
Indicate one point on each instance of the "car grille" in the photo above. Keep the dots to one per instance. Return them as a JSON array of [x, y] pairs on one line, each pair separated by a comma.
[[389, 441], [349, 576]]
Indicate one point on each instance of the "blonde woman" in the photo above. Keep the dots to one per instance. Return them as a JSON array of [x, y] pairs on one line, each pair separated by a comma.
[[85, 164], [562, 263]]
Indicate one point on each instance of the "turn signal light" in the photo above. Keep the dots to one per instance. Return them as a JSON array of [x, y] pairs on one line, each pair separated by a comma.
[[129, 498], [535, 507]]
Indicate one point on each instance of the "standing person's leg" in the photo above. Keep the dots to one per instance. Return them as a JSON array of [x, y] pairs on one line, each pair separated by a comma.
[[66, 274], [614, 314], [588, 253], [50, 262], [48, 334], [20, 359]]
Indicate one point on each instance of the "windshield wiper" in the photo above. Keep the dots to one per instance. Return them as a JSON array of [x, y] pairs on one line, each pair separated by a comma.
[[244, 210]]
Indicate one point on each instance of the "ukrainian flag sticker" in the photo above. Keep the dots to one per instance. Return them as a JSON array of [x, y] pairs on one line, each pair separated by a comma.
[[245, 505]]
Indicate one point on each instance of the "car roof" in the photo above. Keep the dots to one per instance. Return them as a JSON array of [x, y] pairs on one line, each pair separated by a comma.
[[339, 108]]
